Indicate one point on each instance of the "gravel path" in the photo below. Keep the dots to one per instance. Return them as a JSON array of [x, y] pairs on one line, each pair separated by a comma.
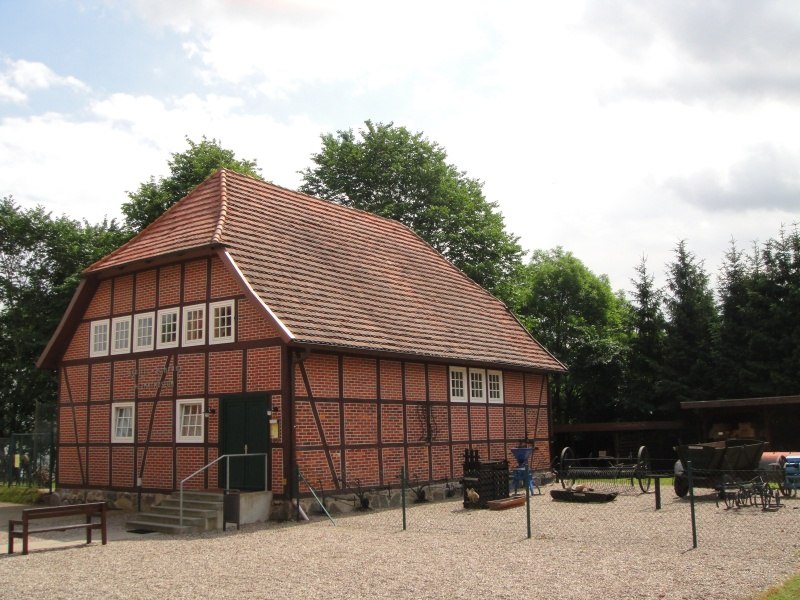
[[624, 549]]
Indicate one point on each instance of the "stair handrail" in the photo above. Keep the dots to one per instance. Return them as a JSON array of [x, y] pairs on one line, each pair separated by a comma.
[[227, 457]]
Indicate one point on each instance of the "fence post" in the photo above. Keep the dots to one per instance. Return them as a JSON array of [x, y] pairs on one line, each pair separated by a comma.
[[52, 456], [403, 493], [691, 502], [296, 490], [528, 481]]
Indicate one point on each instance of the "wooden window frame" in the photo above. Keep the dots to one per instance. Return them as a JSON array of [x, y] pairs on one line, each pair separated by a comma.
[[162, 313], [93, 327], [189, 439], [153, 330], [115, 406], [464, 397], [499, 374], [186, 331], [212, 337]]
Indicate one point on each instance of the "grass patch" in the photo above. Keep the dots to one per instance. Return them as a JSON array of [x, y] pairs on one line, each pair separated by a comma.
[[20, 494], [788, 591]]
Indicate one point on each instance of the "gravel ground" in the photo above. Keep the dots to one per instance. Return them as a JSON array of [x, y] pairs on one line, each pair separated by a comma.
[[623, 549]]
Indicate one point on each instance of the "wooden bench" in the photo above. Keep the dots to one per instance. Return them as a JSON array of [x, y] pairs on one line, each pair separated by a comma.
[[90, 511]]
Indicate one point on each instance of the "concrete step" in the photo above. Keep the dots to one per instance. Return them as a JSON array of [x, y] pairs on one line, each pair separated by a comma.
[[198, 504], [199, 495], [204, 513], [146, 525], [158, 517]]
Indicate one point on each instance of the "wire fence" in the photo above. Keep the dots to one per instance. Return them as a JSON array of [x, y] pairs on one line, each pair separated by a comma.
[[28, 459], [655, 508]]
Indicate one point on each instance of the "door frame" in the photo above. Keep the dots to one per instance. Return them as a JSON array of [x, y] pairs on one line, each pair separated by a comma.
[[267, 398]]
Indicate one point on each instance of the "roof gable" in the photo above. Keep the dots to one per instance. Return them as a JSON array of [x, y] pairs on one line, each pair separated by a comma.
[[336, 276]]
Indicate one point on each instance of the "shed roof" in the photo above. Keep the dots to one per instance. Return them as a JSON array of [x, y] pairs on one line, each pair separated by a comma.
[[335, 276]]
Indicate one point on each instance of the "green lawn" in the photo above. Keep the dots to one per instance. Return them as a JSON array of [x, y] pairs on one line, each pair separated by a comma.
[[788, 591], [20, 494]]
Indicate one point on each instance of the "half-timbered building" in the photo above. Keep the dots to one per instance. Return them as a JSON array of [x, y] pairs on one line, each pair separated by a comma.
[[253, 319]]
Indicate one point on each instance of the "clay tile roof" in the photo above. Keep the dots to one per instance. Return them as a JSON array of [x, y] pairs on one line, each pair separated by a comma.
[[341, 277]]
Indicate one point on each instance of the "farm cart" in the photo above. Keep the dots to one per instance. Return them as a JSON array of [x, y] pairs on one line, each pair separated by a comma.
[[718, 464]]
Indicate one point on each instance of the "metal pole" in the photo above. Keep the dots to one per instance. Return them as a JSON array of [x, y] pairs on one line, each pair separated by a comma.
[[52, 456], [403, 493], [181, 506], [528, 497], [691, 502], [227, 471], [296, 490]]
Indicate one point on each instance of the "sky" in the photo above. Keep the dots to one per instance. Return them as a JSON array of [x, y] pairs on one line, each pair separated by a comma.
[[614, 129]]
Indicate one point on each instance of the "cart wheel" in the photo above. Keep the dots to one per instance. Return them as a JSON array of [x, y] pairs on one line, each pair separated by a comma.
[[681, 486], [766, 498], [567, 461], [642, 469], [731, 498]]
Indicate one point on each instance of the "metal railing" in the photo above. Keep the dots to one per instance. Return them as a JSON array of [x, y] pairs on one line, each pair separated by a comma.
[[227, 458]]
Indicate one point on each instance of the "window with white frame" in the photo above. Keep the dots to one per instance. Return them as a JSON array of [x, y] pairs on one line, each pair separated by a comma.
[[122, 422], [194, 325], [143, 332], [494, 386], [220, 322], [477, 385], [98, 340], [120, 335], [167, 336], [458, 384], [189, 421]]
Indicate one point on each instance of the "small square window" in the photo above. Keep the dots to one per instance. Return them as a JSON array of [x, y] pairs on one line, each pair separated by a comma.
[[458, 384], [122, 422], [98, 344], [167, 328], [189, 421], [477, 392], [494, 386], [221, 322], [120, 335], [194, 325], [143, 332]]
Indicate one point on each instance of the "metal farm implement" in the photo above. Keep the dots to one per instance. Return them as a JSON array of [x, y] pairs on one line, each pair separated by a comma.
[[603, 470]]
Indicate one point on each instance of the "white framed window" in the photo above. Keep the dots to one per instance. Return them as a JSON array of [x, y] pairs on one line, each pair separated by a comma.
[[477, 385], [458, 384], [221, 322], [167, 335], [143, 332], [98, 339], [189, 421], [120, 335], [194, 325], [123, 419], [494, 386]]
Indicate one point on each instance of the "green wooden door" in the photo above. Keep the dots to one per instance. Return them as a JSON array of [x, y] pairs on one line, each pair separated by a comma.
[[244, 430]]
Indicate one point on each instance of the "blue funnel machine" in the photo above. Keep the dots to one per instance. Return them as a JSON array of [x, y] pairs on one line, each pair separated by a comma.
[[522, 455]]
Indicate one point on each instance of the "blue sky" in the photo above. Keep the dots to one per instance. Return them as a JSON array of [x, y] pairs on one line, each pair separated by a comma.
[[613, 129]]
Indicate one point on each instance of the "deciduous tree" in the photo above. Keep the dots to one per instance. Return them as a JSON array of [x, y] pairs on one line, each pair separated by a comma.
[[392, 172]]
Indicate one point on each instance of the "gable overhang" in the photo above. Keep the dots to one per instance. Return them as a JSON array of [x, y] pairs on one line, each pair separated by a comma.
[[57, 344]]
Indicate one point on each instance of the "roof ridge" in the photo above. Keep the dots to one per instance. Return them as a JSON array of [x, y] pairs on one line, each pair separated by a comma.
[[223, 207]]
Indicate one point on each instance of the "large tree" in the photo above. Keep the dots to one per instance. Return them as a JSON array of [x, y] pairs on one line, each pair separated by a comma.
[[187, 170], [643, 396], [577, 316], [392, 172], [691, 325], [40, 262]]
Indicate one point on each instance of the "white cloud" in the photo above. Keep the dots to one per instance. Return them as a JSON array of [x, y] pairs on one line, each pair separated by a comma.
[[83, 167], [22, 76]]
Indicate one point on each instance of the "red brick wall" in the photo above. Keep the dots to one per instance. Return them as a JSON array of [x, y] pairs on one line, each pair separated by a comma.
[[394, 413], [155, 380]]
